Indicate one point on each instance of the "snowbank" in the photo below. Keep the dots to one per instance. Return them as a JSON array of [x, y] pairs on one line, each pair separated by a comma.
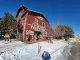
[[58, 51]]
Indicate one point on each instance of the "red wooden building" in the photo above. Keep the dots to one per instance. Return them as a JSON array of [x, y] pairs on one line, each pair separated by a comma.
[[31, 25]]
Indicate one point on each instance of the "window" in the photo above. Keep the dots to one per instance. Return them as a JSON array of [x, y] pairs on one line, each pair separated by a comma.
[[43, 24], [36, 22]]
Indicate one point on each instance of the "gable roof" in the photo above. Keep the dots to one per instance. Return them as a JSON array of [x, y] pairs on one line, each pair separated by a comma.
[[29, 11], [38, 14], [22, 7]]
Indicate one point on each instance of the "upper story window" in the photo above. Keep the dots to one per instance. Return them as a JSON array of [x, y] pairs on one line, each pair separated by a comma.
[[36, 22], [43, 24]]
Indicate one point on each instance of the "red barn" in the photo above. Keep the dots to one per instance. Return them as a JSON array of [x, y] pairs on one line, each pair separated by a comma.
[[31, 25]]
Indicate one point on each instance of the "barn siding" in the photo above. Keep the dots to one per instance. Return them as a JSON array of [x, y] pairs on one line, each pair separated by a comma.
[[31, 23]]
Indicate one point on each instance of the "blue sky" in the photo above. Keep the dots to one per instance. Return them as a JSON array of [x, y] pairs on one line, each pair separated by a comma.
[[61, 11]]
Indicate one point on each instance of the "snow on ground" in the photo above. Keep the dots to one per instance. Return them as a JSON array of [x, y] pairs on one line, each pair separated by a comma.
[[58, 50]]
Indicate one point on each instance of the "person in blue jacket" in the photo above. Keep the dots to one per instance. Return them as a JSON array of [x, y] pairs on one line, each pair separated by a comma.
[[46, 56]]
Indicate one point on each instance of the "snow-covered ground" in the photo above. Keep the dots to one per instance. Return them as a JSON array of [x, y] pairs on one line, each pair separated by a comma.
[[59, 50]]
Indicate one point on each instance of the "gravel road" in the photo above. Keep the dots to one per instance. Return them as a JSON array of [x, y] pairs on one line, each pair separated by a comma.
[[75, 51]]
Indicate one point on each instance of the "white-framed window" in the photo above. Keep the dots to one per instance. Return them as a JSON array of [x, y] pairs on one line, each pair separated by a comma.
[[36, 22], [43, 24]]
